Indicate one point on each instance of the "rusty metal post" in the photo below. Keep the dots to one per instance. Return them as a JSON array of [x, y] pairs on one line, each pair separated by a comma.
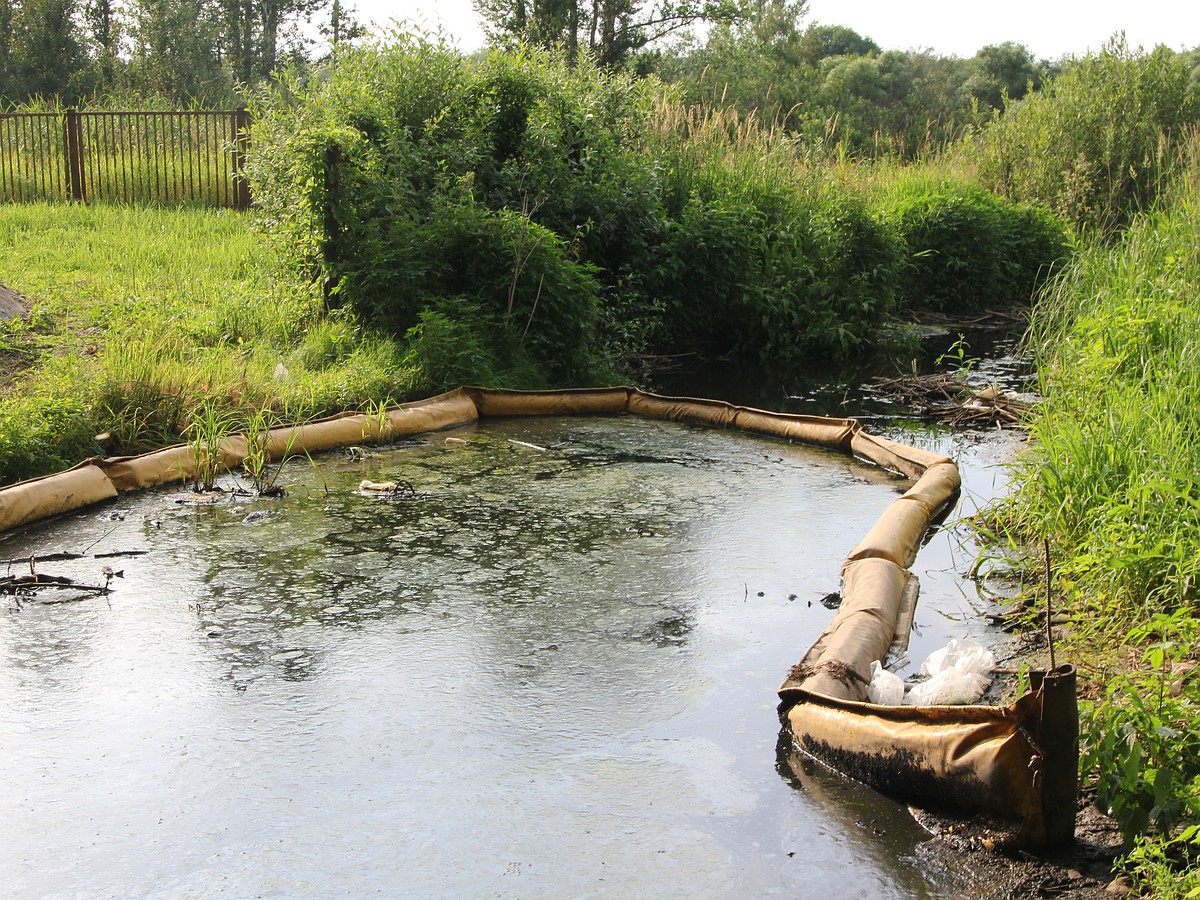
[[73, 147], [241, 187], [1059, 741]]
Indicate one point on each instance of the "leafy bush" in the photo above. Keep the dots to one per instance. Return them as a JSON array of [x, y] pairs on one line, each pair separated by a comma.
[[574, 218], [1096, 144], [42, 434], [1142, 742], [967, 248]]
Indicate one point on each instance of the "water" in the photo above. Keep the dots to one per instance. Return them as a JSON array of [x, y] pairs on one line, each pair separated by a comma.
[[550, 673]]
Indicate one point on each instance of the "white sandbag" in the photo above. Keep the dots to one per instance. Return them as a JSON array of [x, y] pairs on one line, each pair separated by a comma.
[[948, 688], [886, 688]]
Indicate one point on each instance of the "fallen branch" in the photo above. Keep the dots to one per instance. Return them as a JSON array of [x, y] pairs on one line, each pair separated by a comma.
[[28, 584], [944, 398]]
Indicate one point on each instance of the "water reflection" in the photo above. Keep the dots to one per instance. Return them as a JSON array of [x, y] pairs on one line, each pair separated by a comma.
[[550, 672]]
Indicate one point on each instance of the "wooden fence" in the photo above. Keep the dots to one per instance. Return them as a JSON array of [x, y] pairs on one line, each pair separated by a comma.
[[167, 158]]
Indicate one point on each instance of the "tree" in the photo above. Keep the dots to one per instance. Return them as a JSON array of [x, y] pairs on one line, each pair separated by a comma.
[[610, 30], [1002, 70], [175, 50], [105, 29], [822, 41], [7, 81], [45, 54], [343, 26], [253, 33], [753, 64]]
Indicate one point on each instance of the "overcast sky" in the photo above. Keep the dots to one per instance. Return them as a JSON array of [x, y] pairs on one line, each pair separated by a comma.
[[1049, 28]]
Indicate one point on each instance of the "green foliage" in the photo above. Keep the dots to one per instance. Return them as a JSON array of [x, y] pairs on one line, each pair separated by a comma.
[[562, 215], [1141, 744], [1111, 479], [838, 92], [1168, 868], [258, 464], [1097, 144], [1111, 474], [444, 351], [208, 427], [516, 274], [968, 249], [1001, 72], [40, 434], [606, 30]]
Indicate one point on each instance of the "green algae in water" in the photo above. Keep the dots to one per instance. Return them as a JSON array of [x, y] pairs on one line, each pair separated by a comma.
[[548, 672]]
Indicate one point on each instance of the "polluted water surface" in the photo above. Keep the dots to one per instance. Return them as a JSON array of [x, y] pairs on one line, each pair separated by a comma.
[[544, 665]]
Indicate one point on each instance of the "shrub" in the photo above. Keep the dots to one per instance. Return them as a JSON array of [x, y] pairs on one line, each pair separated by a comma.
[[42, 434], [1096, 144], [967, 248]]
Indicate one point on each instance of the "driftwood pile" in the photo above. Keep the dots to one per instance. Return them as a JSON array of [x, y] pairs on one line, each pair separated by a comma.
[[945, 398]]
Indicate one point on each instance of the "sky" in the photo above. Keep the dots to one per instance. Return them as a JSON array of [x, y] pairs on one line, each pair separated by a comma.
[[1049, 28]]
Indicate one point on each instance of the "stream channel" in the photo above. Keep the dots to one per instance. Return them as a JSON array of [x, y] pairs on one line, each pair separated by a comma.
[[550, 673]]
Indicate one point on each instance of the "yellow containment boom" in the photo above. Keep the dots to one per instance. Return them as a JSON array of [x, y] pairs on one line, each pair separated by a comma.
[[1015, 761]]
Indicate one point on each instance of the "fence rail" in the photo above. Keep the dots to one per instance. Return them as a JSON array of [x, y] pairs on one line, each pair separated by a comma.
[[170, 158]]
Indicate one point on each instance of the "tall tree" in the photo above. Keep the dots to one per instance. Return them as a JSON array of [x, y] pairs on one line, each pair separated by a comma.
[[610, 30], [7, 80], [754, 65], [45, 55], [175, 50], [104, 26], [1002, 70], [253, 32]]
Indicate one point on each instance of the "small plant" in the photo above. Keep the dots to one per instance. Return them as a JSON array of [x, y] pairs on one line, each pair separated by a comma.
[[379, 423], [1142, 742], [209, 426], [955, 358], [258, 462]]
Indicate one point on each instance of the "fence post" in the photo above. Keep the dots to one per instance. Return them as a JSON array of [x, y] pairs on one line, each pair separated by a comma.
[[241, 187], [73, 148]]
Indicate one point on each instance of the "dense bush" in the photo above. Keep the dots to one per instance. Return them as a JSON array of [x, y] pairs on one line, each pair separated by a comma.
[[1096, 144], [556, 214], [968, 249]]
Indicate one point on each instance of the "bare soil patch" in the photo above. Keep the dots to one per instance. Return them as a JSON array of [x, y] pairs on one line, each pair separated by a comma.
[[13, 303]]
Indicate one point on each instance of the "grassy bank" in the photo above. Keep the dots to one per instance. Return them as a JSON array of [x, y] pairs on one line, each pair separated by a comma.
[[142, 317], [1112, 479]]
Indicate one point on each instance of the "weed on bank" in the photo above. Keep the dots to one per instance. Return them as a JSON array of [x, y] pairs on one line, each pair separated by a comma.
[[1112, 478]]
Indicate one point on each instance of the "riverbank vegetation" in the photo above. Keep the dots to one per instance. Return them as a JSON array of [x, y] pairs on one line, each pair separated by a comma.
[[1111, 480], [528, 218]]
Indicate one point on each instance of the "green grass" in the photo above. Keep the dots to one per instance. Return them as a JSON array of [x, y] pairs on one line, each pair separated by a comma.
[[143, 316], [1112, 479]]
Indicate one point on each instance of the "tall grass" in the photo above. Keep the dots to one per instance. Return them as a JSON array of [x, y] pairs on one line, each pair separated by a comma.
[[1113, 475], [1112, 479], [144, 315]]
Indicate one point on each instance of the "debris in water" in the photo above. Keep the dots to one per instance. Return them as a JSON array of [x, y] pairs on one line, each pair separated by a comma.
[[403, 488]]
